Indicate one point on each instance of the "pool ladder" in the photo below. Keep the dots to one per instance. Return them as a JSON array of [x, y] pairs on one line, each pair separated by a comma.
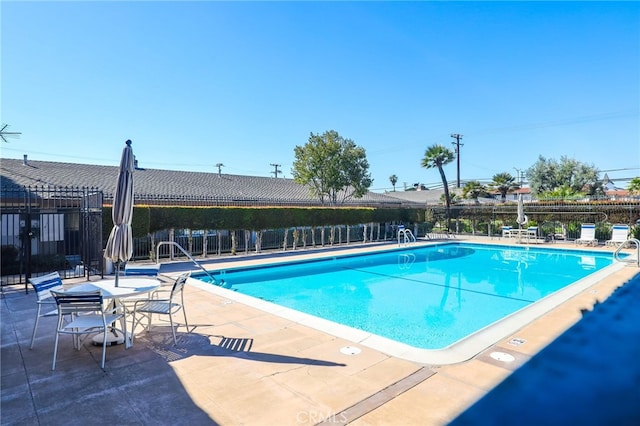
[[195, 262], [405, 236], [630, 259]]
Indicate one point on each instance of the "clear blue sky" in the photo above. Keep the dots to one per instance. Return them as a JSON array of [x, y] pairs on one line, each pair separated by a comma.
[[193, 84]]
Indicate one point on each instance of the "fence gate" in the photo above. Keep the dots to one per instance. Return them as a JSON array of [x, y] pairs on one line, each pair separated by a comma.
[[48, 229]]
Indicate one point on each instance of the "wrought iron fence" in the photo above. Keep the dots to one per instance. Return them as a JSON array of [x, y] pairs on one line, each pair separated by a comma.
[[553, 217], [46, 229], [208, 243]]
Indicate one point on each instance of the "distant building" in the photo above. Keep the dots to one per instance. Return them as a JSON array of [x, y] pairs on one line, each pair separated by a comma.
[[150, 184], [612, 191]]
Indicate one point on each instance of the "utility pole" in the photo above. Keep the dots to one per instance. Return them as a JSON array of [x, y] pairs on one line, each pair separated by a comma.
[[519, 174], [219, 166], [276, 171], [457, 144]]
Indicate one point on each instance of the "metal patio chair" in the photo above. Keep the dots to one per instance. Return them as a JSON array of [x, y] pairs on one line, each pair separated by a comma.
[[163, 306], [43, 286], [88, 316]]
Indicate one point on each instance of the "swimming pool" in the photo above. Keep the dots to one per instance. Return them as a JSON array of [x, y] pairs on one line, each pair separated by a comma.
[[428, 298]]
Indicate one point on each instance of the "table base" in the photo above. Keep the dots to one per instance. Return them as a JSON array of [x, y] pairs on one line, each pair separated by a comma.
[[114, 337]]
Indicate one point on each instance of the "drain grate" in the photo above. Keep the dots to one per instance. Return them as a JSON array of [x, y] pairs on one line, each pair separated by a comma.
[[502, 356], [350, 350], [516, 341]]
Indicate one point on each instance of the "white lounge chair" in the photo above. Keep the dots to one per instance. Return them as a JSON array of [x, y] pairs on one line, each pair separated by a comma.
[[506, 232], [619, 234], [588, 234]]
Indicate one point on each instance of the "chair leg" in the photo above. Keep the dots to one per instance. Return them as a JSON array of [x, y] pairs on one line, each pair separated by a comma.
[[133, 327], [173, 330], [104, 346], [127, 336], [35, 327], [137, 321], [186, 324], [55, 351], [77, 340]]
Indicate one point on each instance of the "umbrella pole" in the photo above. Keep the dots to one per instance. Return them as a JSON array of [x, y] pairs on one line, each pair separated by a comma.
[[117, 272], [114, 337]]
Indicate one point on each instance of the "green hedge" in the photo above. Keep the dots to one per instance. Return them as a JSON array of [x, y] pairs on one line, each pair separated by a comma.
[[148, 219]]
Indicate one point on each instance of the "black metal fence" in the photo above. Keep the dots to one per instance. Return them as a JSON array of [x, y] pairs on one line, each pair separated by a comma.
[[46, 229], [211, 243], [60, 229], [554, 218]]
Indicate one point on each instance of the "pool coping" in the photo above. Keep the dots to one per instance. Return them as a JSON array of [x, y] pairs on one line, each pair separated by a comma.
[[457, 352]]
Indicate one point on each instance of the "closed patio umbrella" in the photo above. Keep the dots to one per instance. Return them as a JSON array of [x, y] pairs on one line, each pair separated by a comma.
[[522, 218], [119, 246]]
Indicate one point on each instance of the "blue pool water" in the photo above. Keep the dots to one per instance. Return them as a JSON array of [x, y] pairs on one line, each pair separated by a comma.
[[428, 297]]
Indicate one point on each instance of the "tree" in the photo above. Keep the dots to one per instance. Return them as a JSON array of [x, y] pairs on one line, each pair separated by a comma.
[[564, 192], [547, 175], [393, 179], [503, 183], [474, 189], [334, 168], [417, 187], [437, 156], [634, 186]]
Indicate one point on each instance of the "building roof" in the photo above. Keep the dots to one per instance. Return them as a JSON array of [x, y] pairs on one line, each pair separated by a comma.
[[156, 183], [430, 196]]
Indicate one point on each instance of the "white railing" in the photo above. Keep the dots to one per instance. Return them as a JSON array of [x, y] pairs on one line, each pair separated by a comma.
[[405, 236], [195, 262], [628, 259]]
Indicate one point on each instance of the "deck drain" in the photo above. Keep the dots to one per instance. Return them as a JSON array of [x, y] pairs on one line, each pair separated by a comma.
[[502, 356], [350, 350], [516, 341]]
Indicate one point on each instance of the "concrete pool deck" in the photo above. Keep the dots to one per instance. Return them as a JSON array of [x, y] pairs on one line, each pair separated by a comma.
[[241, 365]]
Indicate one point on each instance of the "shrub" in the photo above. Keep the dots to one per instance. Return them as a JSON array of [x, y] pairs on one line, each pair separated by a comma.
[[10, 264], [48, 262]]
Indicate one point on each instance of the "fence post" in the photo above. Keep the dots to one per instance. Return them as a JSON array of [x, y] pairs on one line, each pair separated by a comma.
[[172, 240]]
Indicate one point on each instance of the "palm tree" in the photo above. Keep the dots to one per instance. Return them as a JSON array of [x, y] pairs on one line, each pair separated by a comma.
[[634, 186], [393, 179], [504, 183], [474, 189], [438, 156]]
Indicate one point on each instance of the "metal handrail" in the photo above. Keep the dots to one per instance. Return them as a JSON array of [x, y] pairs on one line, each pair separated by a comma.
[[407, 236], [195, 262], [616, 254]]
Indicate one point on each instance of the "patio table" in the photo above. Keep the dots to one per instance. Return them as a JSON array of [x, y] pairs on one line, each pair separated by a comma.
[[127, 287]]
